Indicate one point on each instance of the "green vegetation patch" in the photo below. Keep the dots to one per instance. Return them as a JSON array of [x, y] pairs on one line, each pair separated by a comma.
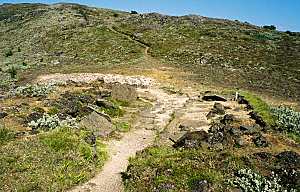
[[52, 161], [260, 107], [168, 169]]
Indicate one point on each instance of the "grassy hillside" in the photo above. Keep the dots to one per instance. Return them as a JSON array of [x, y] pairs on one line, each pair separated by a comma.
[[66, 37]]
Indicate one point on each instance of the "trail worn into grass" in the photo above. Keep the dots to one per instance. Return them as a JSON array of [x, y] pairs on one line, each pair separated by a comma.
[[160, 121]]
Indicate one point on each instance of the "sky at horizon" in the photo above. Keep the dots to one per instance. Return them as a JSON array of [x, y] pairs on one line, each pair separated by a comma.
[[284, 14]]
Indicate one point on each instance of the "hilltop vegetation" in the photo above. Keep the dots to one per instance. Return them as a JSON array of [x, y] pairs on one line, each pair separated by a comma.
[[37, 38]]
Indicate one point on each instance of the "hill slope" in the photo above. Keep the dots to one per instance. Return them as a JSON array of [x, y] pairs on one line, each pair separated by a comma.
[[38, 38]]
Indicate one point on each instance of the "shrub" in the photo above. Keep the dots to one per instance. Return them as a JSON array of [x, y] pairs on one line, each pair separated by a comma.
[[288, 119], [13, 72], [247, 180], [270, 27], [5, 135], [33, 90], [8, 53], [49, 122], [134, 12]]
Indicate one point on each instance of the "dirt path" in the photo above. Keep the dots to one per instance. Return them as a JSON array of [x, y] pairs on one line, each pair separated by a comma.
[[167, 111], [148, 123]]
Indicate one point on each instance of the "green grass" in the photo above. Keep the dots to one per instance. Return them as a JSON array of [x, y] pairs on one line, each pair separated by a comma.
[[122, 126], [158, 167], [6, 135], [260, 107], [53, 161]]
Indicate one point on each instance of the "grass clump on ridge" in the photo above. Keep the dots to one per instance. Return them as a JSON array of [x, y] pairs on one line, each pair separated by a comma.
[[260, 107]]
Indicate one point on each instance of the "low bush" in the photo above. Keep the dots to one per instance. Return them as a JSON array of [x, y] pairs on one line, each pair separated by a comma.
[[48, 122], [33, 90], [287, 119], [249, 181], [5, 135]]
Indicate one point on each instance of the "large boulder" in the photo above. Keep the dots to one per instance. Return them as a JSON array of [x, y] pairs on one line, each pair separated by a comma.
[[123, 92], [98, 123]]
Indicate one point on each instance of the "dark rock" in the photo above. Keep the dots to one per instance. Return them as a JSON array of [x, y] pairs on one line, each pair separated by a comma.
[[289, 158], [249, 129], [228, 119], [74, 105], [260, 141], [217, 127], [241, 100], [200, 185], [97, 123], [191, 139], [3, 114], [263, 155], [258, 119], [218, 109], [34, 116], [216, 138], [213, 98], [104, 103]]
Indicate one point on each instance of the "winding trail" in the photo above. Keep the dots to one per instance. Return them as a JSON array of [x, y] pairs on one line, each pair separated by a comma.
[[153, 125], [144, 133]]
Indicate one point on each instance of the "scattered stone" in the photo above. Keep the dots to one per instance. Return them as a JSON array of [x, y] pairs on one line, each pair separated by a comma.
[[249, 129], [258, 119], [260, 141], [191, 139], [3, 114], [228, 119], [213, 98], [97, 123]]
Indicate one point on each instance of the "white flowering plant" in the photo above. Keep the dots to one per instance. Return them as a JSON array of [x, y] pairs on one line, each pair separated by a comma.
[[249, 181], [33, 90], [288, 119], [49, 122]]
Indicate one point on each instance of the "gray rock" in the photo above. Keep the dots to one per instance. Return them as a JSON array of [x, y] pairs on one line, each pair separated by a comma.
[[97, 123]]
